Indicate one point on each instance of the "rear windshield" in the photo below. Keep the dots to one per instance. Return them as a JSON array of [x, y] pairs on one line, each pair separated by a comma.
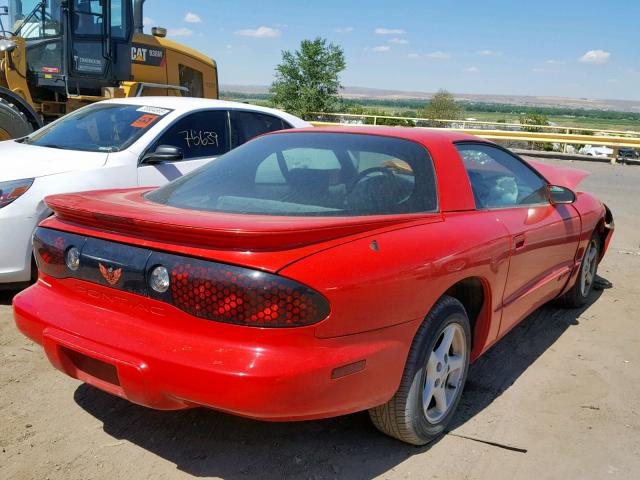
[[311, 174], [98, 128]]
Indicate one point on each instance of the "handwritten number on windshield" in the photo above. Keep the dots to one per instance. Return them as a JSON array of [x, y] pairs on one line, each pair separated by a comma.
[[199, 138]]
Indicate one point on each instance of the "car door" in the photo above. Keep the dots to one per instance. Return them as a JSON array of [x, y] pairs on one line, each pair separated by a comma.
[[200, 136], [544, 236]]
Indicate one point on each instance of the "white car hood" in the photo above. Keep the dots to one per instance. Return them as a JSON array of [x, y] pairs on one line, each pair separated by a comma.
[[18, 160]]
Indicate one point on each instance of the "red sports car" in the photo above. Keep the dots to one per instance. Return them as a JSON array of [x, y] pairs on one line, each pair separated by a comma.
[[312, 273]]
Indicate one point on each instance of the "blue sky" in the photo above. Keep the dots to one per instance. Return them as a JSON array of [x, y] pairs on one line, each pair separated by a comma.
[[573, 48]]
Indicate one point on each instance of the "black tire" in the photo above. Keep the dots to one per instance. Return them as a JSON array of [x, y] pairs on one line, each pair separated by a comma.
[[13, 122], [578, 296], [403, 417], [34, 270]]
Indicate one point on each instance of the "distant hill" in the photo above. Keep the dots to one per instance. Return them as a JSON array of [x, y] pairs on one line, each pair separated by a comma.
[[531, 101]]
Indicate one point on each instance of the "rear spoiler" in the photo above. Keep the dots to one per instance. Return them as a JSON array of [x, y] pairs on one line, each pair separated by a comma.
[[560, 176], [127, 212]]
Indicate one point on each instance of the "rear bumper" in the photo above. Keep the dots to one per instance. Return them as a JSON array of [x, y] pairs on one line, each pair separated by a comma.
[[160, 357]]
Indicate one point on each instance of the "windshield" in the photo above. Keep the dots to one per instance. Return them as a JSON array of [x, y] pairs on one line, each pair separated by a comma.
[[98, 128], [311, 174]]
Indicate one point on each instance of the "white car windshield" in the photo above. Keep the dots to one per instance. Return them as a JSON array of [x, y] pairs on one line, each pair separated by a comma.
[[98, 128]]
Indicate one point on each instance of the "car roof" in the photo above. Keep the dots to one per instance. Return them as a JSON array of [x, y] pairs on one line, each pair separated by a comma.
[[422, 135], [187, 104]]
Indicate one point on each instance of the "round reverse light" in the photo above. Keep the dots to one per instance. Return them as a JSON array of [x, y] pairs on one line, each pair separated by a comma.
[[73, 259], [159, 279]]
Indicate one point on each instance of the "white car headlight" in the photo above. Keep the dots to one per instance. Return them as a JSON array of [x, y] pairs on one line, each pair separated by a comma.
[[9, 191]]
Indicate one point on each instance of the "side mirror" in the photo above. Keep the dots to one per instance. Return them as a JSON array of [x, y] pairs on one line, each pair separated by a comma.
[[560, 195], [163, 153]]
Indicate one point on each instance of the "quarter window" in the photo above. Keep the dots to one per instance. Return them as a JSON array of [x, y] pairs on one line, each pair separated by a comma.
[[247, 125], [500, 180], [200, 134]]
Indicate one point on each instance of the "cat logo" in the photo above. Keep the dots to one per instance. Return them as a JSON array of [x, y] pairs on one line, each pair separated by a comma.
[[138, 54], [145, 55]]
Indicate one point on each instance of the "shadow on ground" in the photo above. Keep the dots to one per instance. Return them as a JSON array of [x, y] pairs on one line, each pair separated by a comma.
[[203, 443]]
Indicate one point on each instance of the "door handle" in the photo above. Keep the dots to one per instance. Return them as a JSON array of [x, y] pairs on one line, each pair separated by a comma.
[[518, 241]]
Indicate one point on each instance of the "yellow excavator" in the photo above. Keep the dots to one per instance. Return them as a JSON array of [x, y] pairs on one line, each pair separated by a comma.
[[59, 55]]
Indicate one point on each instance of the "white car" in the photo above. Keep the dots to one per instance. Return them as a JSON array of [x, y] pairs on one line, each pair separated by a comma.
[[599, 151], [120, 143]]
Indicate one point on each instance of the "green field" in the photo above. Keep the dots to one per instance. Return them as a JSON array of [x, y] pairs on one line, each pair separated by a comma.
[[587, 123], [581, 119]]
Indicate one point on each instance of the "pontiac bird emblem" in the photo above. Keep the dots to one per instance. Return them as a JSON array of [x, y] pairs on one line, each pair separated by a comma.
[[110, 275]]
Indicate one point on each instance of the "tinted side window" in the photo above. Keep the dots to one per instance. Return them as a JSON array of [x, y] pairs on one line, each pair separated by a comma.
[[247, 125], [200, 134], [500, 180]]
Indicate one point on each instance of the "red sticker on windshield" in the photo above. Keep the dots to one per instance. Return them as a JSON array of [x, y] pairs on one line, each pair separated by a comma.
[[144, 121]]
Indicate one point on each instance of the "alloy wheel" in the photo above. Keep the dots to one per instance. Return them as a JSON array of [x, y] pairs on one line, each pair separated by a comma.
[[444, 373], [589, 265]]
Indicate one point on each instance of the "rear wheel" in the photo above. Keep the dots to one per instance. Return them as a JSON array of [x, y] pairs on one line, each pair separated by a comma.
[[433, 378], [13, 122], [579, 293]]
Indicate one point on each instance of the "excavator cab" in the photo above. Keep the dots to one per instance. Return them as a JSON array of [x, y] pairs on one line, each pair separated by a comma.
[[74, 47]]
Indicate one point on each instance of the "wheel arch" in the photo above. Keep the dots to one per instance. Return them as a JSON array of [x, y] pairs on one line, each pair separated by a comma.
[[604, 230], [474, 293], [22, 105]]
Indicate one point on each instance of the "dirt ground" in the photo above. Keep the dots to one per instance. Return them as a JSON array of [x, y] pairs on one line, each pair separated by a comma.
[[559, 397]]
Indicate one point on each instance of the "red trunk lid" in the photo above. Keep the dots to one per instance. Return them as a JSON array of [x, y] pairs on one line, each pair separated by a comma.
[[258, 241]]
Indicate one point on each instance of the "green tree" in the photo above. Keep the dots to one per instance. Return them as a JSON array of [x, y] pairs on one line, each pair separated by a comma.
[[442, 106], [308, 80], [531, 122]]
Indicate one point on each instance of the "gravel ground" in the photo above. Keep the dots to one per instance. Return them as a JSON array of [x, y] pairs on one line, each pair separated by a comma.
[[559, 397]]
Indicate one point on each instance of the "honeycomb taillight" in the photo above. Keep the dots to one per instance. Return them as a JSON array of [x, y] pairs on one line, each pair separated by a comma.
[[242, 296], [204, 289]]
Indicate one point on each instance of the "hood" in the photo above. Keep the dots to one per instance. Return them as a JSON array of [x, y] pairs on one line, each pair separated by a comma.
[[560, 176], [18, 160], [262, 241]]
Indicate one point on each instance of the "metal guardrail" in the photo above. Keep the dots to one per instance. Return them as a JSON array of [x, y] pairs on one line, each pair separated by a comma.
[[615, 143], [465, 123]]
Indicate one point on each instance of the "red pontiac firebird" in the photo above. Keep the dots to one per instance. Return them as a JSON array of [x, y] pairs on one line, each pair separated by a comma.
[[312, 273]]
